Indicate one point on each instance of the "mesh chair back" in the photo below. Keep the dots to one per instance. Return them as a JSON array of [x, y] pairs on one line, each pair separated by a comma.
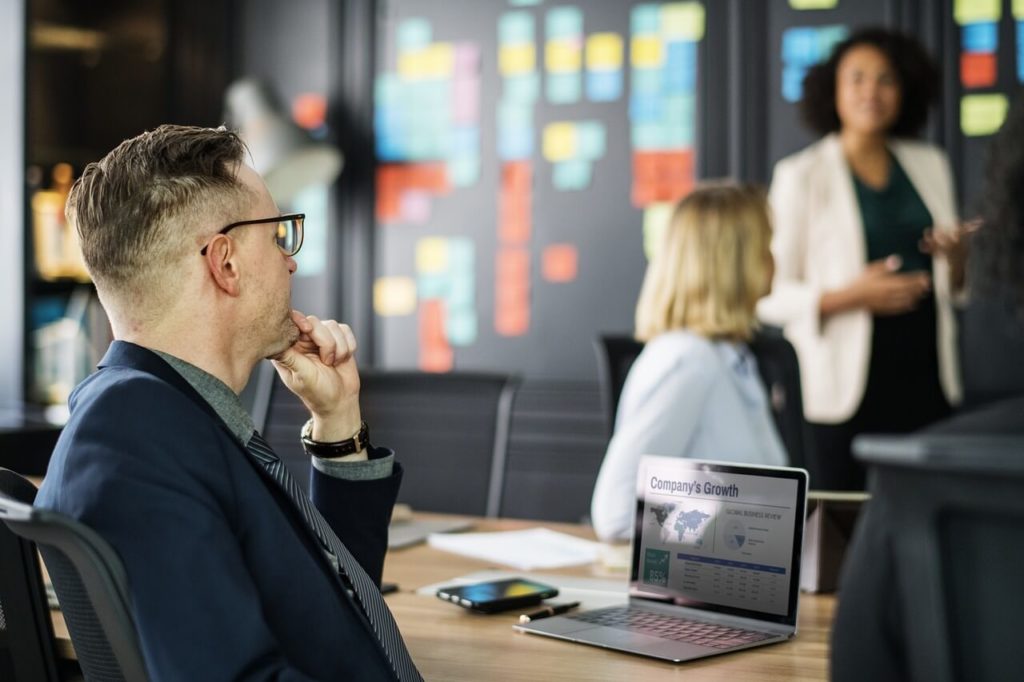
[[27, 652], [448, 430], [91, 587]]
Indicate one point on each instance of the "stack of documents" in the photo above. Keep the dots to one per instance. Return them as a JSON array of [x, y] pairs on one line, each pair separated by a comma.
[[523, 549]]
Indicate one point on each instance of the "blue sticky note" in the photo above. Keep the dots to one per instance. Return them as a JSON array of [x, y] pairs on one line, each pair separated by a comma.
[[645, 19], [390, 148], [564, 22], [464, 171], [433, 285], [647, 81], [644, 108], [460, 327], [413, 34], [515, 27], [571, 175], [980, 37], [800, 47], [515, 143], [647, 136], [463, 142], [590, 140], [523, 88], [604, 86], [793, 83], [828, 38], [680, 70], [460, 293], [386, 89], [564, 88]]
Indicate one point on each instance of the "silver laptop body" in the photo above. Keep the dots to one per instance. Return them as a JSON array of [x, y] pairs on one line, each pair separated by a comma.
[[716, 563]]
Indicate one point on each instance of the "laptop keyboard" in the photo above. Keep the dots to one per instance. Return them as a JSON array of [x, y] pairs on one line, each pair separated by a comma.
[[671, 627]]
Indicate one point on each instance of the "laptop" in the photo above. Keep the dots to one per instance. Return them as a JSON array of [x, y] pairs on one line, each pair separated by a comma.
[[715, 567]]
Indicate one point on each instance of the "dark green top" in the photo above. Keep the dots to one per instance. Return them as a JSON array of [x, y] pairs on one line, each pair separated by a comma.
[[895, 219]]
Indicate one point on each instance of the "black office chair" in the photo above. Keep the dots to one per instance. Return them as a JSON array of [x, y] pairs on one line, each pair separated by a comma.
[[91, 587], [27, 652], [449, 431], [776, 362], [954, 506]]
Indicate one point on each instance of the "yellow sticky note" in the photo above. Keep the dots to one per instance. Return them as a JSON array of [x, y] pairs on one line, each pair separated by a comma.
[[684, 20], [1018, 9], [394, 296], [517, 58], [559, 141], [656, 220], [813, 4], [982, 114], [563, 56], [412, 65], [604, 51], [439, 60], [646, 52], [431, 255], [971, 11]]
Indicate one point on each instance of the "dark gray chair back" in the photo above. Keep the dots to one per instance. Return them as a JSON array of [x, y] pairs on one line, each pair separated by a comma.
[[449, 431], [955, 504], [92, 589], [27, 652]]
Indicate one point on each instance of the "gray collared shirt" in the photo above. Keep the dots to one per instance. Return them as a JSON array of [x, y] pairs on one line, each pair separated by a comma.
[[229, 408]]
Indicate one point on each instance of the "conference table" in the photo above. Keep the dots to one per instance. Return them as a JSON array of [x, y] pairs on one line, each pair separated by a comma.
[[450, 643]]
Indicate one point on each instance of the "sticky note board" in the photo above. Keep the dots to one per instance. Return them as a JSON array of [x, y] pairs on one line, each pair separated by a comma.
[[394, 296]]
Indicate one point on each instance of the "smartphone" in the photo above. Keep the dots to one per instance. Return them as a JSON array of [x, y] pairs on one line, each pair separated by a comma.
[[497, 595]]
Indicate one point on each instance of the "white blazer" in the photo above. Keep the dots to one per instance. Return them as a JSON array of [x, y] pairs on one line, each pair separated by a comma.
[[819, 245]]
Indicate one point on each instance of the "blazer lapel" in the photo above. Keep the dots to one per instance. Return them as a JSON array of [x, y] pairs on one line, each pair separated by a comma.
[[844, 211]]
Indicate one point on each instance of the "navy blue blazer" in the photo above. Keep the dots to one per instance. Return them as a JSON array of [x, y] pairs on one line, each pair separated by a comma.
[[226, 581]]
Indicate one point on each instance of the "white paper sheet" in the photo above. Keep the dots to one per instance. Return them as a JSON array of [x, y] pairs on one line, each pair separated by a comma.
[[522, 549]]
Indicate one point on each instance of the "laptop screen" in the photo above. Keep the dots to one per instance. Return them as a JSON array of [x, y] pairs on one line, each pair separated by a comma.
[[719, 536]]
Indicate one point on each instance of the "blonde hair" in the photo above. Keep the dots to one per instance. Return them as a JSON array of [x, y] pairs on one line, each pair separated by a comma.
[[711, 267]]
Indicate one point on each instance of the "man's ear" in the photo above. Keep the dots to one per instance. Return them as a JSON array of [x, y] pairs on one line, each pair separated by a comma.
[[223, 263]]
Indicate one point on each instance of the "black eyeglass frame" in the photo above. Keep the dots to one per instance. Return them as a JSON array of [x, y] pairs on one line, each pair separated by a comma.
[[297, 218]]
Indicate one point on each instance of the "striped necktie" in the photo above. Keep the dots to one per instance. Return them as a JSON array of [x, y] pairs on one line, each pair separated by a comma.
[[365, 591]]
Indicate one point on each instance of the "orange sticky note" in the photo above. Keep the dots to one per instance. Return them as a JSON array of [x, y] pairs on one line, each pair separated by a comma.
[[560, 263], [978, 69]]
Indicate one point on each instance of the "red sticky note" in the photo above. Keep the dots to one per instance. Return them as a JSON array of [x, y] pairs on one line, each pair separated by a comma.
[[560, 263], [435, 353], [978, 69]]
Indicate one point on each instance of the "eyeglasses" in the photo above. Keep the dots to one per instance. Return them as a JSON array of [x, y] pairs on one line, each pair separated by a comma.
[[288, 236]]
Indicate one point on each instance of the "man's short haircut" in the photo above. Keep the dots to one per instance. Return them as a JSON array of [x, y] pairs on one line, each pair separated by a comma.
[[134, 209], [916, 71], [712, 266]]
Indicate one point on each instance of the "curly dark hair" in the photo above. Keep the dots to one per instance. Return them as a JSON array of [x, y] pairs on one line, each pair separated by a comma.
[[997, 250], [918, 78]]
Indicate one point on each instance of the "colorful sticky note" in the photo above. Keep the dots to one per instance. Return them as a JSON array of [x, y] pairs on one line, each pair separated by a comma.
[[604, 51], [525, 3], [562, 56], [522, 89], [515, 27], [564, 22], [516, 59], [460, 327], [982, 114], [682, 21], [560, 263], [978, 69], [980, 37], [604, 86], [971, 11], [793, 83], [680, 66], [813, 4], [590, 140], [460, 292], [440, 60], [646, 52], [414, 206], [1017, 8], [413, 34], [465, 100], [571, 175], [647, 81], [559, 143], [433, 285], [656, 220], [564, 88], [460, 255], [515, 143], [464, 171], [467, 59], [432, 255], [645, 18], [394, 296]]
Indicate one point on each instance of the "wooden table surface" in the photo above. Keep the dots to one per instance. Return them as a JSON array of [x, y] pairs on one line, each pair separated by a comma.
[[450, 643]]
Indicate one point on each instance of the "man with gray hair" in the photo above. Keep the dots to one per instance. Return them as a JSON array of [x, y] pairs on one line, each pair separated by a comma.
[[234, 573]]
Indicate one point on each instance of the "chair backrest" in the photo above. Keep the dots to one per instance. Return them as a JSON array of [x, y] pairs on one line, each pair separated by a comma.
[[447, 430], [91, 587], [27, 652], [776, 362], [956, 506]]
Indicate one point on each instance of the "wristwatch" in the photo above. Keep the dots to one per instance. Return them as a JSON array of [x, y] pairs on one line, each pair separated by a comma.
[[340, 448]]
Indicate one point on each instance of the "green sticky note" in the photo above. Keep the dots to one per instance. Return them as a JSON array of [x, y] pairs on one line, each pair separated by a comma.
[[973, 11], [682, 21], [515, 27], [648, 136], [656, 220], [523, 87], [460, 327], [645, 19], [647, 81], [1018, 9], [982, 114], [460, 255], [564, 88], [433, 285], [590, 140], [514, 115], [571, 175], [525, 3], [460, 293], [413, 34], [813, 4], [564, 22], [464, 171]]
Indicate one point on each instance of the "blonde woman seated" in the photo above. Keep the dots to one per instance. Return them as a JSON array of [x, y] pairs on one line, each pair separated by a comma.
[[694, 391]]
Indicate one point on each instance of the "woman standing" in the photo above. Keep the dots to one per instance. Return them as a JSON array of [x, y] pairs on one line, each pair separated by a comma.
[[868, 253], [695, 390]]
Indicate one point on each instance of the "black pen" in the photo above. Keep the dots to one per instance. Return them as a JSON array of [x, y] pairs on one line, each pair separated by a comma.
[[552, 610]]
